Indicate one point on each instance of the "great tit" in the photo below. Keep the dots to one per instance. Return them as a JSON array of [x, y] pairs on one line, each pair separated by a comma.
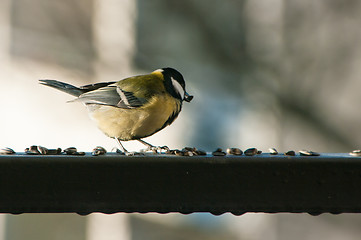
[[132, 108]]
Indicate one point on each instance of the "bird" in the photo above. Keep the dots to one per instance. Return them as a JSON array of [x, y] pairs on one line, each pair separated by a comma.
[[132, 108]]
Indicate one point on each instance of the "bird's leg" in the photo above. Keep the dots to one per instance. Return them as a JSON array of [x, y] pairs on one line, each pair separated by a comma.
[[125, 151], [150, 147], [121, 146]]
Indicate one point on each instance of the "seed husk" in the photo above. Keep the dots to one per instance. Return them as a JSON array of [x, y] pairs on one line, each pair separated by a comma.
[[200, 152], [273, 151], [170, 151], [96, 153], [188, 153], [70, 150], [219, 152], [178, 152], [251, 152], [42, 150], [32, 150], [234, 151], [290, 153], [79, 153], [99, 151], [356, 153], [6, 151], [308, 153], [54, 151], [118, 151], [191, 149]]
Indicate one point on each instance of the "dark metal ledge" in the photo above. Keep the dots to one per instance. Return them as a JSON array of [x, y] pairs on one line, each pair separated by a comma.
[[237, 184]]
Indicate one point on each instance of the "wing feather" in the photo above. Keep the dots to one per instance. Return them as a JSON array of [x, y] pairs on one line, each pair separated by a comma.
[[111, 95]]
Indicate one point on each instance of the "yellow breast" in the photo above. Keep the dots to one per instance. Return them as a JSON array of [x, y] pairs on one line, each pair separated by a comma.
[[130, 124]]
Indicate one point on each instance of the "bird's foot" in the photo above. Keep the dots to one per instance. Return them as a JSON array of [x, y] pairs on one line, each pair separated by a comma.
[[128, 153], [155, 149]]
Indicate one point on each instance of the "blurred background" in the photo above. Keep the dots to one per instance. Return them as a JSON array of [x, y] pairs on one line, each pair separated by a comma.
[[264, 73]]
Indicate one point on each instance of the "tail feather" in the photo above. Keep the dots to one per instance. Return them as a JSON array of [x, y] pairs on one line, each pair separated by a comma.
[[70, 89]]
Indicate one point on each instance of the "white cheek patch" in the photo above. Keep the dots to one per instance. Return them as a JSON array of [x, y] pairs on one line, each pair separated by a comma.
[[178, 88]]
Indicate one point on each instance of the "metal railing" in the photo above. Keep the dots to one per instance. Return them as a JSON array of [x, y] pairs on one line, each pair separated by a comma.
[[162, 183]]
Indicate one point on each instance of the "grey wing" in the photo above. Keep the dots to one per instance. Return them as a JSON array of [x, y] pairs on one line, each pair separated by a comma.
[[111, 96], [95, 86]]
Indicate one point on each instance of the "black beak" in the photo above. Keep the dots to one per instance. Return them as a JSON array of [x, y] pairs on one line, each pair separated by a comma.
[[187, 97]]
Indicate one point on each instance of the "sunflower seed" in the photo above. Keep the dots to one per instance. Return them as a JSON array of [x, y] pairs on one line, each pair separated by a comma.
[[32, 150], [99, 151], [219, 152], [170, 151], [200, 152], [188, 153], [96, 153], [308, 153], [118, 151], [234, 151], [70, 150], [42, 150], [273, 151], [78, 153], [6, 151], [191, 149], [356, 153], [290, 153], [251, 152], [178, 152], [54, 151]]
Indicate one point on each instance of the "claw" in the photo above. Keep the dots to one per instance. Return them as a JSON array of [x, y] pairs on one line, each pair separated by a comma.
[[152, 148], [155, 149]]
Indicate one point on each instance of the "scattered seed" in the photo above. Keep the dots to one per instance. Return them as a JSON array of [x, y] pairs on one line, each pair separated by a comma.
[[234, 151], [170, 151], [200, 152], [79, 153], [308, 153], [188, 153], [99, 151], [70, 150], [54, 151], [191, 149], [73, 151], [134, 153], [273, 151], [6, 151], [178, 152], [118, 151], [42, 150], [219, 152], [96, 153], [163, 149], [32, 150], [290, 153], [251, 152], [355, 153]]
